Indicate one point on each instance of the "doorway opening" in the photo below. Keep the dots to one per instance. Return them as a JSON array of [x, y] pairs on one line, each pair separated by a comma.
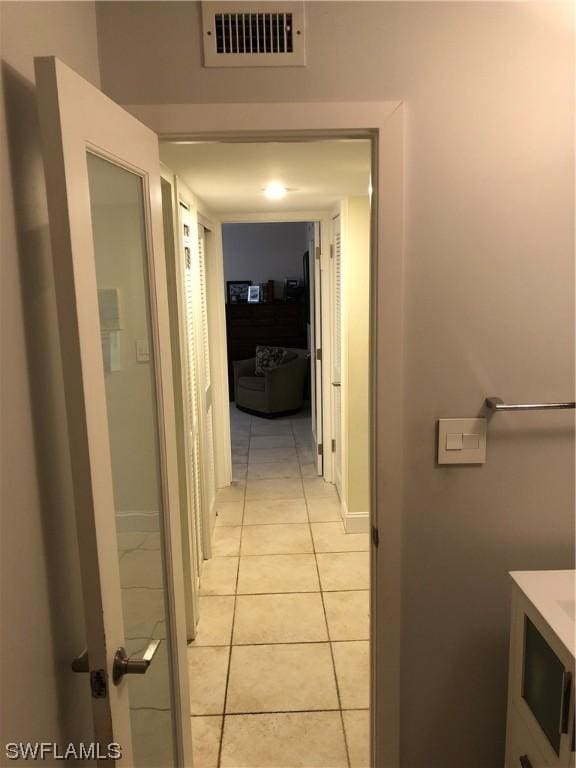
[[275, 444]]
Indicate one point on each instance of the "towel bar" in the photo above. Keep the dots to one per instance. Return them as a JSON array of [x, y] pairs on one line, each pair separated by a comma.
[[497, 404]]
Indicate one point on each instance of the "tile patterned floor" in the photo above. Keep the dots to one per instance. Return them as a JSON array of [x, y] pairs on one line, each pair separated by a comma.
[[279, 669]]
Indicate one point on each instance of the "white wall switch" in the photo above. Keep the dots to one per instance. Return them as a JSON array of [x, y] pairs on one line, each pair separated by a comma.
[[461, 441], [142, 351]]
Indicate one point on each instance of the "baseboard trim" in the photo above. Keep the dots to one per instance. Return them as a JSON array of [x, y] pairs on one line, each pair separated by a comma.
[[355, 522]]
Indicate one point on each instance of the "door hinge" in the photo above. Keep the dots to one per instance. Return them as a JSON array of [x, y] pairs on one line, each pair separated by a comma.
[[317, 251], [375, 536], [98, 683], [320, 449], [331, 250], [333, 445], [318, 354]]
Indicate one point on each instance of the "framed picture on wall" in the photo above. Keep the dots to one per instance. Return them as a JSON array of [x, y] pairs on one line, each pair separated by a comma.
[[237, 290], [253, 294]]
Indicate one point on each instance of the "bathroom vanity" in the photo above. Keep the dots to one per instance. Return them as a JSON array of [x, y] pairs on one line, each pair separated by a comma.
[[540, 727]]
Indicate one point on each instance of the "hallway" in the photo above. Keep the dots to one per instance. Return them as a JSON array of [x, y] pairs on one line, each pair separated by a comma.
[[280, 665]]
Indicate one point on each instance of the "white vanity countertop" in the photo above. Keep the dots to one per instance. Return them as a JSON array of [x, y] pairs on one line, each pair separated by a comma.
[[552, 594]]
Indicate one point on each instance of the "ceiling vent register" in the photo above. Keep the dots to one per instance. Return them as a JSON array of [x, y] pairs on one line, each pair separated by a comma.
[[253, 34]]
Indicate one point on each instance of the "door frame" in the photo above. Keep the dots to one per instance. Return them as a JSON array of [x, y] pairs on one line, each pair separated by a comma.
[[322, 219], [383, 123], [191, 561]]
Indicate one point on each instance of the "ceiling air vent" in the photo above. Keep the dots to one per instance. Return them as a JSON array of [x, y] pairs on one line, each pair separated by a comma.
[[253, 34]]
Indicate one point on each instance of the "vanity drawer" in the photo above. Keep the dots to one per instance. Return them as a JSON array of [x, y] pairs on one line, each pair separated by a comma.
[[521, 748]]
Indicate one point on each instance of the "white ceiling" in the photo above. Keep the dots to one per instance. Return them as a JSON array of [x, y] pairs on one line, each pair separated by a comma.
[[230, 177]]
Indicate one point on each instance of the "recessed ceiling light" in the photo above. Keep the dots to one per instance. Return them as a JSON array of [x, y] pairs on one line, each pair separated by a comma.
[[275, 190]]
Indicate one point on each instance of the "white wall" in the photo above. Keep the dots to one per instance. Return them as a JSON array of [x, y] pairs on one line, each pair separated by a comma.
[[488, 92], [41, 604], [262, 252]]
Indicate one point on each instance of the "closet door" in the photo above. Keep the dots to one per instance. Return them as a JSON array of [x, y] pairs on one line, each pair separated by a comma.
[[206, 377], [336, 251], [191, 383]]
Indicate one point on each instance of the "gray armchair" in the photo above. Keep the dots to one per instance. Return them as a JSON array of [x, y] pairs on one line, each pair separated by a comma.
[[279, 391]]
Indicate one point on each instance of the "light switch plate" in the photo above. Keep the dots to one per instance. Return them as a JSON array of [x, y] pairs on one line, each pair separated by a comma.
[[461, 441]]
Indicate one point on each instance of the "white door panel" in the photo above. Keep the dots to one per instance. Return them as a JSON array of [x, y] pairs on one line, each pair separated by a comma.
[[103, 184]]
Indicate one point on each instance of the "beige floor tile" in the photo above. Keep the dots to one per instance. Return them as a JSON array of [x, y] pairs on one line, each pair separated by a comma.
[[215, 624], [219, 576], [331, 537], [226, 541], [233, 492], [323, 509], [276, 539], [144, 613], [317, 486], [151, 737], [357, 726], [305, 454], [280, 488], [130, 540], [352, 661], [229, 513], [295, 618], [259, 512], [273, 469], [308, 469], [291, 740], [207, 670], [271, 427], [272, 678], [271, 441], [277, 573], [141, 568], [348, 615], [344, 570], [264, 455], [206, 741], [239, 470]]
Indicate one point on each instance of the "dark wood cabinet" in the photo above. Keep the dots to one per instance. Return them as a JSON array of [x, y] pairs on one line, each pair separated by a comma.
[[274, 324]]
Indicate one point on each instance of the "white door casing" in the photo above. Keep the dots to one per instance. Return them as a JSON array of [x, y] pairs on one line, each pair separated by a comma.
[[336, 260], [76, 119], [317, 346], [384, 124]]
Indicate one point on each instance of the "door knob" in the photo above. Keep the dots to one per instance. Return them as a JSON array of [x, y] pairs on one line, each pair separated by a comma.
[[130, 665], [335, 383], [123, 664]]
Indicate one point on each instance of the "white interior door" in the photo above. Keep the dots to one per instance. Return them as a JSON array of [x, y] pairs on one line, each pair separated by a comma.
[[316, 344], [336, 252], [103, 184], [200, 431], [189, 499], [187, 224], [206, 378]]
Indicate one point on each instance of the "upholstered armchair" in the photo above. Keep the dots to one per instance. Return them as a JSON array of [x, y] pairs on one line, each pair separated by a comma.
[[279, 391]]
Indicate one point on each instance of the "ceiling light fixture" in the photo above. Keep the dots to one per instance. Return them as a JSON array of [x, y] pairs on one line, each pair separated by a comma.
[[275, 190]]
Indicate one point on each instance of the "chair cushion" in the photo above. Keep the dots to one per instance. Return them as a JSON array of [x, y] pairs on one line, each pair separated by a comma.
[[255, 383], [288, 357], [268, 357]]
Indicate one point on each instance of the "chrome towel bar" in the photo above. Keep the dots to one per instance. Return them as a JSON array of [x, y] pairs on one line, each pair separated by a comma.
[[497, 404]]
